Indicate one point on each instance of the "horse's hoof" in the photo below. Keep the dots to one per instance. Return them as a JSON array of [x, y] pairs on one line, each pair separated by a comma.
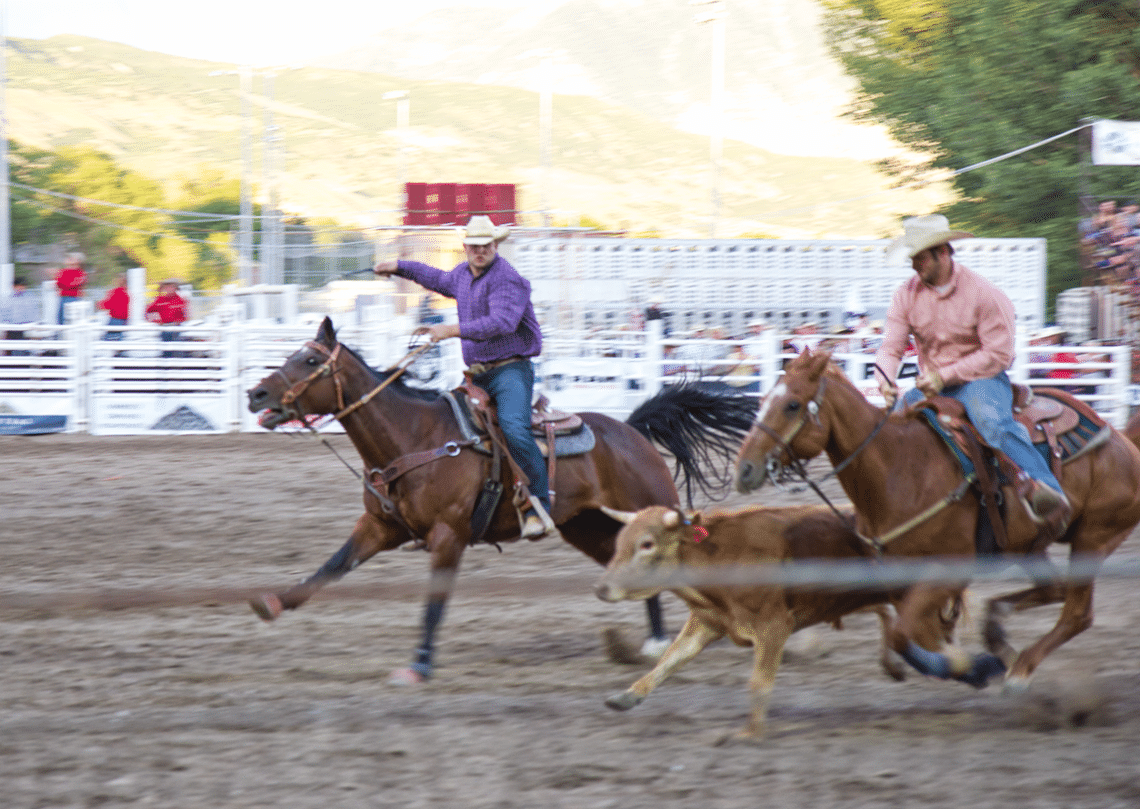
[[653, 648], [740, 737], [267, 606], [984, 668], [1015, 686], [893, 665], [407, 676], [623, 701]]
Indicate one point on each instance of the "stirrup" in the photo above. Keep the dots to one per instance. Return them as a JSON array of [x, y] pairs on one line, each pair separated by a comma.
[[536, 523]]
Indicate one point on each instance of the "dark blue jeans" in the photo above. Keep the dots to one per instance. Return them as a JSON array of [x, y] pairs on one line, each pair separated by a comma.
[[511, 387], [115, 335]]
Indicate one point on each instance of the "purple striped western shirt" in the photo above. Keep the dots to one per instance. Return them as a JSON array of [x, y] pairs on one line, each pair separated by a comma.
[[496, 316]]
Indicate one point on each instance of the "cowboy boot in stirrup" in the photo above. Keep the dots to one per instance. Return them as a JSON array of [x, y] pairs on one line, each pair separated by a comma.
[[537, 522], [1045, 505]]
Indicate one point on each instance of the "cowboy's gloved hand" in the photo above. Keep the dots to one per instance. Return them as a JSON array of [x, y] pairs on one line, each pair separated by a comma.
[[930, 382], [890, 393]]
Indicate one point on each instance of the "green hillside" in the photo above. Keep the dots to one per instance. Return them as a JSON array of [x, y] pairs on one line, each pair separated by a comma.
[[164, 116]]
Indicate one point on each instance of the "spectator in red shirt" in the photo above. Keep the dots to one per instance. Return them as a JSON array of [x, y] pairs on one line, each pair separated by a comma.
[[117, 302], [70, 281], [168, 309]]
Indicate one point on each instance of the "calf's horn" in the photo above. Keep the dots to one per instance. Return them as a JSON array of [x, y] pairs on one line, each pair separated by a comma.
[[621, 516]]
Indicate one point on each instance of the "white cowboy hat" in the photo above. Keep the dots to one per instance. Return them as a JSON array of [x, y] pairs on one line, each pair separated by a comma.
[[1047, 333], [922, 232], [481, 230]]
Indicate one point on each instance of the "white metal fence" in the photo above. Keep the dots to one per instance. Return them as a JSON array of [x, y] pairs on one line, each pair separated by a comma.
[[73, 378]]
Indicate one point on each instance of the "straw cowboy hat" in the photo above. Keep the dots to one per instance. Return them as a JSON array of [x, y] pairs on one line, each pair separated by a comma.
[[1048, 333], [921, 233], [481, 230]]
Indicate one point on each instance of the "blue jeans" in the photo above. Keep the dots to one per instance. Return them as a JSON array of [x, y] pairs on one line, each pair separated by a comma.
[[511, 387], [989, 405], [115, 335]]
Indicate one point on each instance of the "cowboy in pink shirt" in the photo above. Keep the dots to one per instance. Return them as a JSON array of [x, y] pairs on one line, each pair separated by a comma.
[[963, 326]]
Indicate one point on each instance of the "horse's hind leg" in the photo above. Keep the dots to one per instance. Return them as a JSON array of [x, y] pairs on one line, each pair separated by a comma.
[[368, 537], [658, 640], [1000, 608]]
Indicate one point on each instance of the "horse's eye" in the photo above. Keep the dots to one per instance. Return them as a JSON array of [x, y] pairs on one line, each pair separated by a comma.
[[793, 406], [647, 544], [311, 361]]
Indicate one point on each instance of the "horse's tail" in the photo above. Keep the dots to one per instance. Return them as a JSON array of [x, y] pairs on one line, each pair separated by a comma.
[[702, 428]]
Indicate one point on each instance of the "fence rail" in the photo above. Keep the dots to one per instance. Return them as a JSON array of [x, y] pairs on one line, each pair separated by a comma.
[[73, 378]]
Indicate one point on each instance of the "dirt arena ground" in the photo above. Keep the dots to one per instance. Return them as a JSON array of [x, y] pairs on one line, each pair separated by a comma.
[[203, 705]]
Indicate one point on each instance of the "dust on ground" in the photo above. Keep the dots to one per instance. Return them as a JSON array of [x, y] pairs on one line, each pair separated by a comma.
[[203, 705]]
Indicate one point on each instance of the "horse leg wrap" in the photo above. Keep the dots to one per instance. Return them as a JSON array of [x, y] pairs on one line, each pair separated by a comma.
[[433, 615], [339, 563], [936, 664], [932, 664], [985, 666]]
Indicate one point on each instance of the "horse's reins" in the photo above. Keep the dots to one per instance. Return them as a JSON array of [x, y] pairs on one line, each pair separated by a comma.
[[401, 464], [877, 544]]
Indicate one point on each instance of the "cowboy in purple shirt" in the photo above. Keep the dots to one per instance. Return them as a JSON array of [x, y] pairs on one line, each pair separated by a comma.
[[499, 334]]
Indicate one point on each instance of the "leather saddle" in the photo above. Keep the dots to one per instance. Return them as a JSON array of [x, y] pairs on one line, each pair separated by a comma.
[[566, 432], [1061, 426]]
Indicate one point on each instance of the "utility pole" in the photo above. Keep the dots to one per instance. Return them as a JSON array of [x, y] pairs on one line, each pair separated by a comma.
[[715, 14], [6, 267], [245, 210], [271, 248], [403, 118], [545, 126]]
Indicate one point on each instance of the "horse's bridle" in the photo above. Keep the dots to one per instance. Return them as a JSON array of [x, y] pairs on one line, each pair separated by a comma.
[[784, 442], [329, 367]]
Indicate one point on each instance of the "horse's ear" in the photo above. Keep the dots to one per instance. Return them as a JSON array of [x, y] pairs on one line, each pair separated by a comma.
[[818, 364], [326, 333]]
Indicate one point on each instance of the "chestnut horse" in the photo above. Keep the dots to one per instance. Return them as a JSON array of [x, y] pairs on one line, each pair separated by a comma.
[[437, 477], [895, 469]]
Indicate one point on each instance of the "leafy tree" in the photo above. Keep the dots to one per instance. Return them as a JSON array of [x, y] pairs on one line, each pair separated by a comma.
[[965, 81]]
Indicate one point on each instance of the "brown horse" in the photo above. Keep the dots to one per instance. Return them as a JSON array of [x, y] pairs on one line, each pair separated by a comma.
[[894, 469], [423, 479]]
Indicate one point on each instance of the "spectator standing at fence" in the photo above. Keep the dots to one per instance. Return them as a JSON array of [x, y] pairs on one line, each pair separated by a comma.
[[500, 335], [654, 312], [963, 326], [117, 302], [70, 282], [167, 310], [22, 307]]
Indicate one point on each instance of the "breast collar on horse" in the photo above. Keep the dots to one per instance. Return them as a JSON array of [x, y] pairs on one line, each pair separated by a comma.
[[399, 466]]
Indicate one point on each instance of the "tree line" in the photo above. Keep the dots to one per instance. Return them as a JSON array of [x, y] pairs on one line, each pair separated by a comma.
[[81, 199], [962, 81]]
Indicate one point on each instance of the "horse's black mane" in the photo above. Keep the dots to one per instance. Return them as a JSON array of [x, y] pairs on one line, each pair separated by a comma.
[[398, 386]]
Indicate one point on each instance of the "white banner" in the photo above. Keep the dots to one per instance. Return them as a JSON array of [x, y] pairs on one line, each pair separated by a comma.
[[1116, 143]]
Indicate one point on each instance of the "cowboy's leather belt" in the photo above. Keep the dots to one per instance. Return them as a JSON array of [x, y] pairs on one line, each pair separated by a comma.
[[480, 368]]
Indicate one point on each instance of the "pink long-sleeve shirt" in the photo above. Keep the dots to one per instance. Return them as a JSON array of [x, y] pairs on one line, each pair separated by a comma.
[[964, 332]]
